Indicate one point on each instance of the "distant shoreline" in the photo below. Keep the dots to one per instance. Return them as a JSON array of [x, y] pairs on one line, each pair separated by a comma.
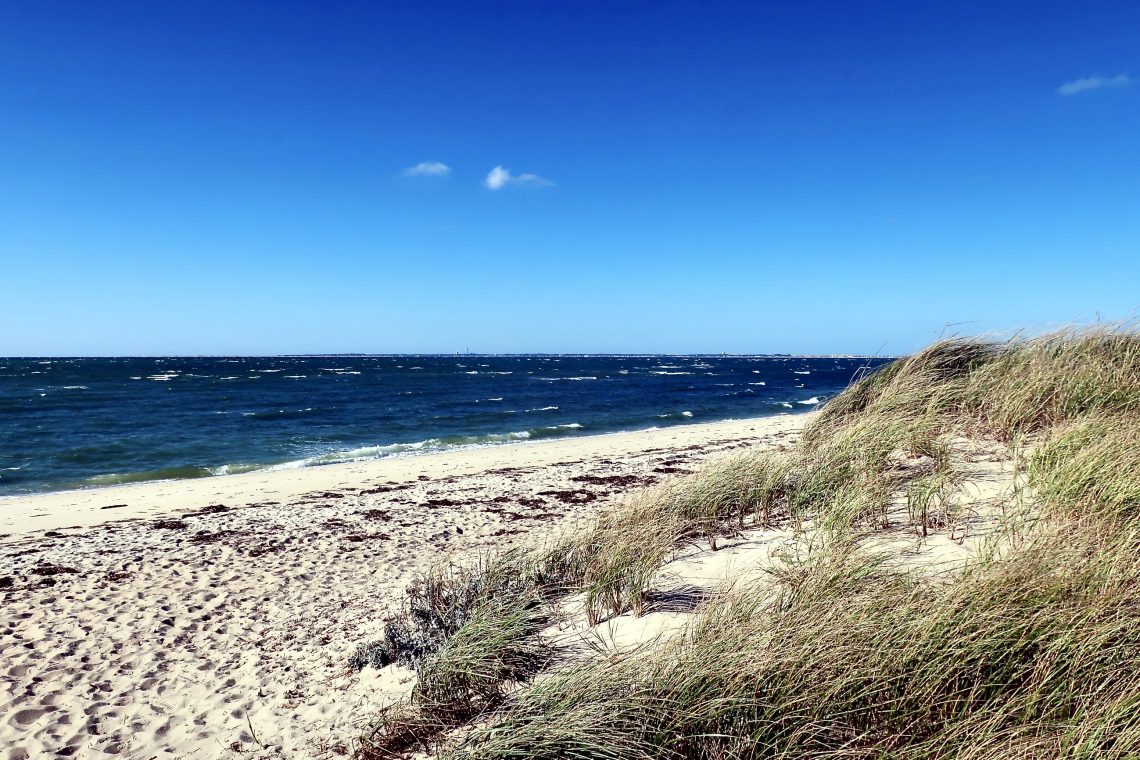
[[88, 507], [129, 479]]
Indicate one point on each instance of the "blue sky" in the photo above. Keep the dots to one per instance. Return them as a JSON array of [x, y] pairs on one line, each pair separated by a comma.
[[196, 177]]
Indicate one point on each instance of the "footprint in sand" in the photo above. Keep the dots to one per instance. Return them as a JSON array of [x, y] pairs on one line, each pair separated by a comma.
[[25, 718]]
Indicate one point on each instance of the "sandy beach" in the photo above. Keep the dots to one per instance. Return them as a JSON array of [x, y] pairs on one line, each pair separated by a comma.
[[570, 381], [200, 618]]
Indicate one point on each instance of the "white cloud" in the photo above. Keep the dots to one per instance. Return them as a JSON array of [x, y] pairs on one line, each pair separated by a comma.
[[1093, 83], [499, 178], [428, 169]]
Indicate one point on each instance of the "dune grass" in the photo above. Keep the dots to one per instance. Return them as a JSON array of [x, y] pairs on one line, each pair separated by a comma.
[[851, 660], [1031, 651], [441, 602], [1003, 388], [498, 645], [1091, 467], [471, 632], [625, 550]]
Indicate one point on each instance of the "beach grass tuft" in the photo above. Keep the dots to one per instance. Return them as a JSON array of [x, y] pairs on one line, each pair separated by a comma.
[[497, 645]]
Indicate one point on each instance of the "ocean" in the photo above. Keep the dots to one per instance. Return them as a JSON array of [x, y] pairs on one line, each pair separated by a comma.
[[77, 423]]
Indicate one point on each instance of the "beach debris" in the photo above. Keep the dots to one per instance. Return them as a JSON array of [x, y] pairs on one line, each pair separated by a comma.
[[571, 497], [48, 569]]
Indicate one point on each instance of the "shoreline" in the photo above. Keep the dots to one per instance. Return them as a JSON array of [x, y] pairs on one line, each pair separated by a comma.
[[24, 514], [173, 624]]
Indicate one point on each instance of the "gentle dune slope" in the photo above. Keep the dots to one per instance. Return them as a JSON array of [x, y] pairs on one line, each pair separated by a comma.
[[946, 565]]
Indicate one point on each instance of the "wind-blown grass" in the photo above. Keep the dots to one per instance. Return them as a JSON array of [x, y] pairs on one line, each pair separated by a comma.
[[499, 644], [1091, 468], [1005, 388], [615, 561], [1040, 383], [850, 660], [470, 632], [442, 601], [1031, 651]]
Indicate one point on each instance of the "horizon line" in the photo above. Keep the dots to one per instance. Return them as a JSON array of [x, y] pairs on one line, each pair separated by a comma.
[[632, 354]]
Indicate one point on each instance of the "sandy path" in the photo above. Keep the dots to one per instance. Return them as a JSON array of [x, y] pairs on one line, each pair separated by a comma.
[[171, 636]]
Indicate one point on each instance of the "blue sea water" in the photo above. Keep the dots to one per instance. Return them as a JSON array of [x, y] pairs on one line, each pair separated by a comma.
[[68, 423]]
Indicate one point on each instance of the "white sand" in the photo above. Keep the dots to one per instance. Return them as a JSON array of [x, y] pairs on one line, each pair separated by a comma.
[[126, 638], [95, 506]]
